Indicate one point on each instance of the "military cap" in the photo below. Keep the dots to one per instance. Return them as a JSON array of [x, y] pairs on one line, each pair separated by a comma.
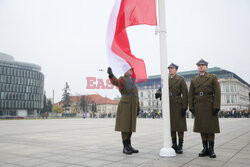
[[126, 67], [202, 62], [173, 66]]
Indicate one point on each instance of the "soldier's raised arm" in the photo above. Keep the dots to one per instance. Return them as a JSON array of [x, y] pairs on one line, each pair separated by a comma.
[[117, 82]]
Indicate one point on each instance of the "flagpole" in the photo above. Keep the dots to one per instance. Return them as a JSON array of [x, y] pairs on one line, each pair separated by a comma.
[[167, 150]]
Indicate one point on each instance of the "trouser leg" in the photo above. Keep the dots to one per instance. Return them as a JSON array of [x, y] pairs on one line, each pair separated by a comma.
[[125, 140], [180, 144], [181, 135], [211, 137], [129, 143], [204, 138], [173, 134], [126, 135], [174, 141]]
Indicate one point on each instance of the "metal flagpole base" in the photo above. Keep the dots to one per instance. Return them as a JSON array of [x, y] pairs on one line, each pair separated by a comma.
[[167, 152]]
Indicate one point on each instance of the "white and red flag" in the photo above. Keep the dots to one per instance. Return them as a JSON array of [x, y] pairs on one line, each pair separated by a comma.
[[127, 13]]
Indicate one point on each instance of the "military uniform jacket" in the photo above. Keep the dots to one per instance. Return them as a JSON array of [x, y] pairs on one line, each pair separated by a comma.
[[204, 120], [177, 85], [128, 105]]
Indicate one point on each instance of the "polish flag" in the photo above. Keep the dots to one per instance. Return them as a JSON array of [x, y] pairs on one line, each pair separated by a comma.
[[127, 13]]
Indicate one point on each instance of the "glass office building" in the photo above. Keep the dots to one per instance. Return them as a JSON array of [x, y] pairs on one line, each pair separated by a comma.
[[21, 88]]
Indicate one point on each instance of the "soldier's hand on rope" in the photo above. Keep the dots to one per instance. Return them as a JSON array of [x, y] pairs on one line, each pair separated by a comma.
[[192, 111], [183, 112], [157, 95], [215, 111]]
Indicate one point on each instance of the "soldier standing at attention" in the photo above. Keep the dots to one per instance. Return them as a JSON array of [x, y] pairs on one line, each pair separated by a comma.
[[204, 103], [178, 94], [128, 108]]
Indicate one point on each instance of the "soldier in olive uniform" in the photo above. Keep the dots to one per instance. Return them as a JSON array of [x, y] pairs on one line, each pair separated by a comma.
[[178, 94], [204, 103], [128, 108]]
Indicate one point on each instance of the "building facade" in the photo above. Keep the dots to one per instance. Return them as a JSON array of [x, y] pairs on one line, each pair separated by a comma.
[[95, 104], [234, 90], [21, 88]]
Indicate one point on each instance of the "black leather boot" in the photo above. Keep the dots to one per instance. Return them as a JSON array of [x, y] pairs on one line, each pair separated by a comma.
[[211, 150], [204, 152], [126, 149], [131, 148], [174, 146], [179, 147]]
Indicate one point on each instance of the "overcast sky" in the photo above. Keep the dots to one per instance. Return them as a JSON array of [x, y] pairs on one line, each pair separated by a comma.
[[67, 38]]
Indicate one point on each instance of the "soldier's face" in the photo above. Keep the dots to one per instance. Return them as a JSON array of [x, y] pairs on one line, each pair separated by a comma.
[[129, 73], [202, 68], [172, 71]]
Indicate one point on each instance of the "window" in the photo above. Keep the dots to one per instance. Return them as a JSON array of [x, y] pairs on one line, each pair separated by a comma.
[[232, 99], [1, 78], [26, 104], [226, 88], [2, 95], [7, 103], [141, 94], [227, 99], [149, 94], [149, 103], [9, 79], [1, 104], [5, 71], [8, 71], [231, 88], [11, 71], [16, 104], [8, 87], [141, 103]]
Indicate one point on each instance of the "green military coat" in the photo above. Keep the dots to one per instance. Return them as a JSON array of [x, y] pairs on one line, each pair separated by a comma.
[[128, 105], [204, 120], [178, 85]]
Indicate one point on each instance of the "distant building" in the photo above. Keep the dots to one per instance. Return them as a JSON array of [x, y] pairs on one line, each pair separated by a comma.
[[234, 90], [21, 88], [104, 105]]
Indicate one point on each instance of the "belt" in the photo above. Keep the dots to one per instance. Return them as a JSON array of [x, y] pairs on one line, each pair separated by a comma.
[[204, 93], [174, 94]]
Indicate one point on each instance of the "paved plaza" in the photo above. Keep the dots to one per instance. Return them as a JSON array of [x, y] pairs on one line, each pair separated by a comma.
[[93, 142]]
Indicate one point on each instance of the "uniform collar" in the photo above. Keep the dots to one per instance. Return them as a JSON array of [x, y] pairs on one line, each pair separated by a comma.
[[174, 77]]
